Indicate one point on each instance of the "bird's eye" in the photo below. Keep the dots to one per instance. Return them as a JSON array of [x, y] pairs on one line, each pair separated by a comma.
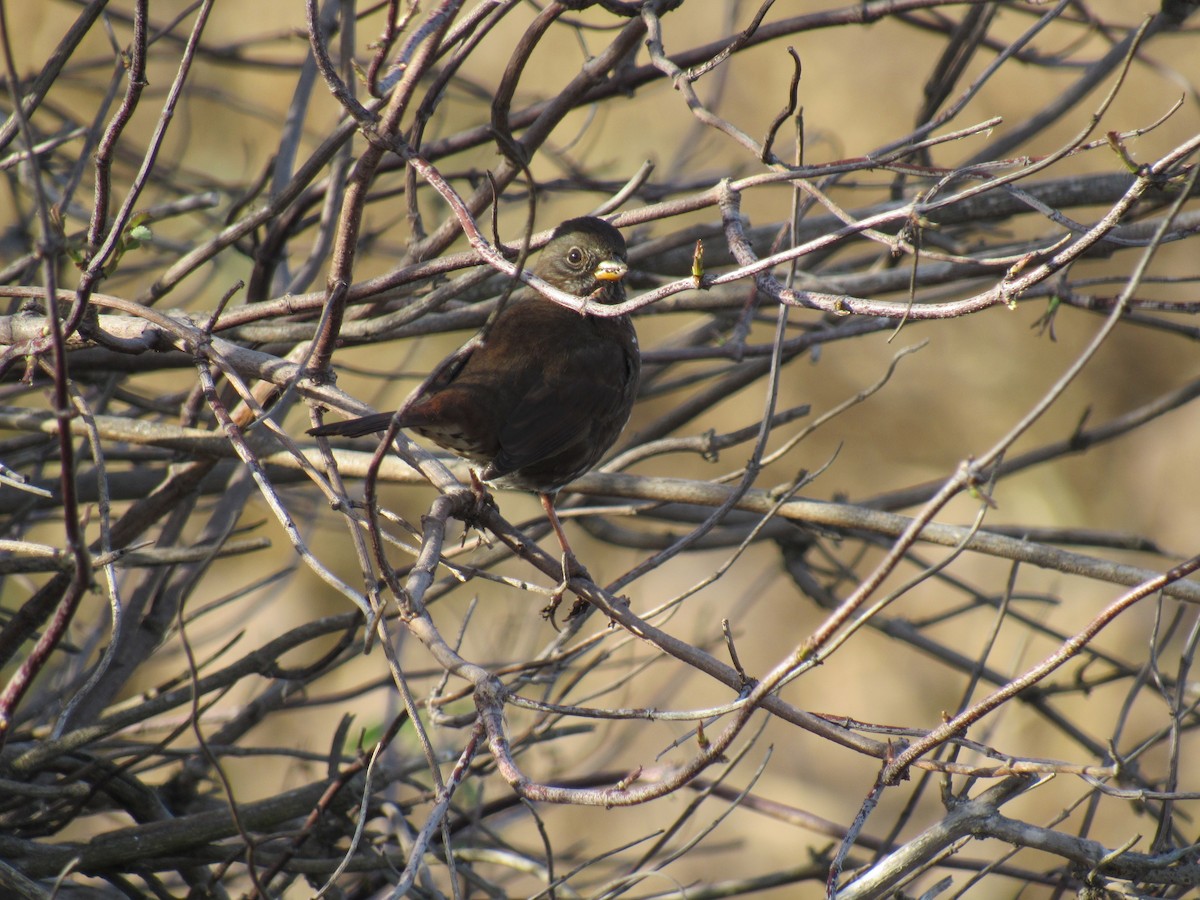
[[575, 256]]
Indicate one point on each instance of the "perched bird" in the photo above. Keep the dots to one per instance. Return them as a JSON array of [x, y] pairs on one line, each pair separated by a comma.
[[542, 392]]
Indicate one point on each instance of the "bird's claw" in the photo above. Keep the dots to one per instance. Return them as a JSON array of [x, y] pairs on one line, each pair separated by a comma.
[[571, 568], [481, 500]]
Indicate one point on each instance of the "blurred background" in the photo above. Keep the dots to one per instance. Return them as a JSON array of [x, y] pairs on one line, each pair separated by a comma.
[[247, 187]]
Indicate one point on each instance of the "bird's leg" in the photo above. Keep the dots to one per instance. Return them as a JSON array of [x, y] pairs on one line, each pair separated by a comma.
[[479, 489], [571, 567], [480, 499]]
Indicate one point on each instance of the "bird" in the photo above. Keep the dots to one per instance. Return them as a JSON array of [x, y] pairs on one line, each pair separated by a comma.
[[542, 392]]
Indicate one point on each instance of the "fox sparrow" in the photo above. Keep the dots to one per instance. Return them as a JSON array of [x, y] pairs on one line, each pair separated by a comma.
[[542, 392]]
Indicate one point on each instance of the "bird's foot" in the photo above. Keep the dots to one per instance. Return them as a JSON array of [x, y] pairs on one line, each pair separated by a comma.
[[481, 501], [571, 568], [471, 503]]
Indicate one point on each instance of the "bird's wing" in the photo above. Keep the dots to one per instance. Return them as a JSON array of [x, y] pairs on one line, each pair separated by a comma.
[[446, 371]]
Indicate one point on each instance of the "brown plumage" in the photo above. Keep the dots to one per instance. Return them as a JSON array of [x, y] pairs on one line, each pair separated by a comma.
[[542, 393]]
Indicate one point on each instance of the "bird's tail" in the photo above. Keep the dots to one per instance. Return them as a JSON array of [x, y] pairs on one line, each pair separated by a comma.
[[378, 422]]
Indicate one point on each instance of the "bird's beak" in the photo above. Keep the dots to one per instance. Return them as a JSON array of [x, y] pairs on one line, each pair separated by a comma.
[[611, 270]]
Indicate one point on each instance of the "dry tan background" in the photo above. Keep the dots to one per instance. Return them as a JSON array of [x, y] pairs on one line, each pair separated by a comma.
[[974, 379]]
